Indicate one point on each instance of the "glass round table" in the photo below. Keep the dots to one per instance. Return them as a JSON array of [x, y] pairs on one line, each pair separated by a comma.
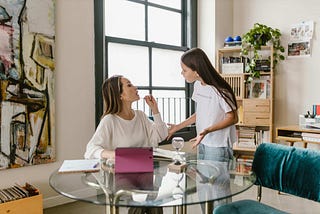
[[198, 182]]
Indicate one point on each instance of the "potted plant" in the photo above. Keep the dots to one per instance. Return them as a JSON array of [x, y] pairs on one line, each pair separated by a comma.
[[252, 41]]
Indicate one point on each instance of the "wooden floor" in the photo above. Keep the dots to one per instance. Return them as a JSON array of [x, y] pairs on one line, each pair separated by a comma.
[[284, 202]]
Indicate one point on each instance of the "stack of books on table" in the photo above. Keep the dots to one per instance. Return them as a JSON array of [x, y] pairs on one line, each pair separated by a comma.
[[246, 137], [312, 137]]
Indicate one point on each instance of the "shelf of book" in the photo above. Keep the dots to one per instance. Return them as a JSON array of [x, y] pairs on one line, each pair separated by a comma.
[[296, 133], [17, 199], [243, 165]]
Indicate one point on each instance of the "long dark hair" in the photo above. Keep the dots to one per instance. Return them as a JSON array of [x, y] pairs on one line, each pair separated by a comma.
[[197, 60], [111, 91]]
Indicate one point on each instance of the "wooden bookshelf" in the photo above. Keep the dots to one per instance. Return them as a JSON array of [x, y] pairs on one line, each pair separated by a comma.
[[29, 205], [294, 133], [18, 199], [255, 106]]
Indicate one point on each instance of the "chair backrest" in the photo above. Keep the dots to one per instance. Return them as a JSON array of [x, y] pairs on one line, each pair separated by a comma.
[[288, 169]]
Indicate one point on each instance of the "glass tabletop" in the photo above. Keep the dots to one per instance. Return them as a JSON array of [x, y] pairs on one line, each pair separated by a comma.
[[200, 181]]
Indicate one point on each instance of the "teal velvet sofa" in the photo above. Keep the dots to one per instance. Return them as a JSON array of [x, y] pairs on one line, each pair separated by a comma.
[[287, 169]]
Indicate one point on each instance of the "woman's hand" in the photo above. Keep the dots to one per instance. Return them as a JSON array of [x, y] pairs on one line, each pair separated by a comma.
[[172, 129], [107, 154], [152, 103]]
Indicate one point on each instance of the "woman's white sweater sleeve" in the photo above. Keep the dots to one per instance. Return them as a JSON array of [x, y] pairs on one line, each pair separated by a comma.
[[158, 130], [96, 145]]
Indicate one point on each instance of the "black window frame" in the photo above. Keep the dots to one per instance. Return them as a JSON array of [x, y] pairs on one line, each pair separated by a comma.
[[189, 40]]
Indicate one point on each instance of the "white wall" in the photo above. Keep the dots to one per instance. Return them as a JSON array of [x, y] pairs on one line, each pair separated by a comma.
[[206, 37], [75, 104], [215, 23], [296, 80]]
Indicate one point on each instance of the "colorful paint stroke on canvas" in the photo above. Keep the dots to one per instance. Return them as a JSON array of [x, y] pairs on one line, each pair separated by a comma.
[[27, 64]]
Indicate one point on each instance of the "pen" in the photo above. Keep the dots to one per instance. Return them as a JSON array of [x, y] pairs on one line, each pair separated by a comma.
[[95, 166]]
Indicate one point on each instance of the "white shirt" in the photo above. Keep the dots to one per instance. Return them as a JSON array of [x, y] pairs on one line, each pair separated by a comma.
[[211, 108], [114, 131]]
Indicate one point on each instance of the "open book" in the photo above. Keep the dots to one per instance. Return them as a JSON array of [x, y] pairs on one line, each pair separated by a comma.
[[169, 154]]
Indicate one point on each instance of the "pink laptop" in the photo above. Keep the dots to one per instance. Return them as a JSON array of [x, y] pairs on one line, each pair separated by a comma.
[[132, 159]]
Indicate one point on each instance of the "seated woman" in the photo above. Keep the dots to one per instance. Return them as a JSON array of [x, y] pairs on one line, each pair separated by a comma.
[[121, 126]]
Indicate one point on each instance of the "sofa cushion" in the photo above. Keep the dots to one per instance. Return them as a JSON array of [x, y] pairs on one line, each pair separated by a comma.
[[246, 207]]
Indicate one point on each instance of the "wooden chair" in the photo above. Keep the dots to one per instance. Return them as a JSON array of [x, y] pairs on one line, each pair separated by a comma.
[[287, 169]]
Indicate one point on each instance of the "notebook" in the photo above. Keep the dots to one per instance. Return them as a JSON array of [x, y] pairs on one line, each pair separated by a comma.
[[82, 165], [132, 159]]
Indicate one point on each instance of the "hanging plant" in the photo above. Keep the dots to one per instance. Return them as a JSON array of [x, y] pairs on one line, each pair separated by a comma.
[[252, 41]]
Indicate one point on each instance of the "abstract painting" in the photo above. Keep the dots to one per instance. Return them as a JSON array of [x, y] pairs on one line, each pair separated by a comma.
[[27, 65]]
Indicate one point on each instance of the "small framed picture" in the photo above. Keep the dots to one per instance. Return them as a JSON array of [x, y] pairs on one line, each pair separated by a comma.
[[258, 89]]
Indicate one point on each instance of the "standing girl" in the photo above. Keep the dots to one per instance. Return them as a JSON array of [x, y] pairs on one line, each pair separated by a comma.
[[216, 107]]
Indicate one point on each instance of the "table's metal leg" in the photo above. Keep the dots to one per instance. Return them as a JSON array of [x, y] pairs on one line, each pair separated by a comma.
[[115, 210], [182, 209], [112, 209], [108, 209], [209, 207]]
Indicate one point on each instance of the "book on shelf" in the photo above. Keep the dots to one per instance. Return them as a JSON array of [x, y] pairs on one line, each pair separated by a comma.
[[243, 167], [17, 191], [313, 137], [246, 144], [259, 88], [244, 159], [248, 137], [306, 134]]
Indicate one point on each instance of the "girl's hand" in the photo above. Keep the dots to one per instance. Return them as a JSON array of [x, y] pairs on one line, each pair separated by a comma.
[[152, 103], [197, 141], [199, 138]]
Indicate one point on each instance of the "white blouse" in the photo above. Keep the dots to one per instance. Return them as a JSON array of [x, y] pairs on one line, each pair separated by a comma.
[[114, 131]]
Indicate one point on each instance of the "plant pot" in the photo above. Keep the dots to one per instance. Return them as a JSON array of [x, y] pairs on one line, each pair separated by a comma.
[[261, 39]]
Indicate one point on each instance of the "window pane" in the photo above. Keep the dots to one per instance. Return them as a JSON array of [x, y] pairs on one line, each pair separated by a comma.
[[169, 3], [164, 26], [131, 25], [172, 105], [129, 61], [166, 69]]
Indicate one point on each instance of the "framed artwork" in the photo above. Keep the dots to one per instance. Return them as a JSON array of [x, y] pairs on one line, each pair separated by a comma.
[[27, 64], [258, 89]]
